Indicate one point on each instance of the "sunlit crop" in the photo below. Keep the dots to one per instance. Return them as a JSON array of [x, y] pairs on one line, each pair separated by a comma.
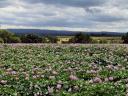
[[63, 70]]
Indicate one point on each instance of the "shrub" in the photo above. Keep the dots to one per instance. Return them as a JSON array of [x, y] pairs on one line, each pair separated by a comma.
[[52, 39], [14, 39], [6, 35], [125, 38], [81, 38], [31, 38], [45, 40], [1, 40]]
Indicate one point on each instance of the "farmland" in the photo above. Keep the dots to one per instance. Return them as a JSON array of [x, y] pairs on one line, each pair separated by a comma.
[[63, 70], [109, 40], [95, 39]]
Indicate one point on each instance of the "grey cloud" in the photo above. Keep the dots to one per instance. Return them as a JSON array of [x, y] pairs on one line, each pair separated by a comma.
[[4, 3], [65, 13], [107, 18], [94, 10], [120, 3], [73, 3], [62, 22]]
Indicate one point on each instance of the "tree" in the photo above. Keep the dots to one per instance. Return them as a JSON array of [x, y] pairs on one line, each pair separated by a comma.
[[9, 37], [125, 38], [14, 39], [45, 40], [81, 38], [31, 38], [1, 40], [51, 39], [5, 35]]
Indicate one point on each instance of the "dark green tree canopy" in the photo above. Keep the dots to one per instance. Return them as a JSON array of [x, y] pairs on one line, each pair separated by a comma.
[[9, 37], [1, 40], [31, 38], [125, 38], [52, 39], [81, 38]]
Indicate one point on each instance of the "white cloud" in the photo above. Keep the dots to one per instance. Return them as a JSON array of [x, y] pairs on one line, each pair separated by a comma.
[[86, 15]]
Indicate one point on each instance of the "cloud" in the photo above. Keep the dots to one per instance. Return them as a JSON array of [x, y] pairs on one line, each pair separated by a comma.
[[105, 18], [106, 14], [4, 3], [73, 3], [83, 15]]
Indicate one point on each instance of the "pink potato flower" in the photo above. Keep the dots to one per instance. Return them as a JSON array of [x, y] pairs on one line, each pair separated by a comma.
[[73, 77]]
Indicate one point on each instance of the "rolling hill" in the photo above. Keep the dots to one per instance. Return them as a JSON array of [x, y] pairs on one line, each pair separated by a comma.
[[61, 32]]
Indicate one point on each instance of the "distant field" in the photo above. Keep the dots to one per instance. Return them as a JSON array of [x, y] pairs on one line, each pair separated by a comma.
[[108, 38], [96, 39], [63, 70], [62, 39]]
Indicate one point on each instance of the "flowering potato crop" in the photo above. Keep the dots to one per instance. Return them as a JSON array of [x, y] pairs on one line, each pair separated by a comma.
[[63, 70]]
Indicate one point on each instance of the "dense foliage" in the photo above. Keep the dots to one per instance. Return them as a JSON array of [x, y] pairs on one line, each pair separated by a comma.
[[31, 38], [51, 39], [8, 37], [1, 40], [81, 38], [125, 38], [66, 70]]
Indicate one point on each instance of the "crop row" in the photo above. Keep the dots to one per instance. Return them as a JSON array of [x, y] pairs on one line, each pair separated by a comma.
[[58, 70]]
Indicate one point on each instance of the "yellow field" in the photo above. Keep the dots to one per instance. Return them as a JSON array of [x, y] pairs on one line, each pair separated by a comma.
[[65, 39], [62, 39], [107, 39]]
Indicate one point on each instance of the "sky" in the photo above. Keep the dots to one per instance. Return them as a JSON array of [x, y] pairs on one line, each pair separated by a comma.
[[75, 15]]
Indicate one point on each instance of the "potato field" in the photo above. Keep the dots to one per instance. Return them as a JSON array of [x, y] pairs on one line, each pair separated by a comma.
[[63, 70]]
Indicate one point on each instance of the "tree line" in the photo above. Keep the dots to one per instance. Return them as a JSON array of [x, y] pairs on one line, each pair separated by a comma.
[[8, 37]]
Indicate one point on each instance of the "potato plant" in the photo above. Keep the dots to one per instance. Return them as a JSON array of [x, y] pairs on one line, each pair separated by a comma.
[[63, 70]]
